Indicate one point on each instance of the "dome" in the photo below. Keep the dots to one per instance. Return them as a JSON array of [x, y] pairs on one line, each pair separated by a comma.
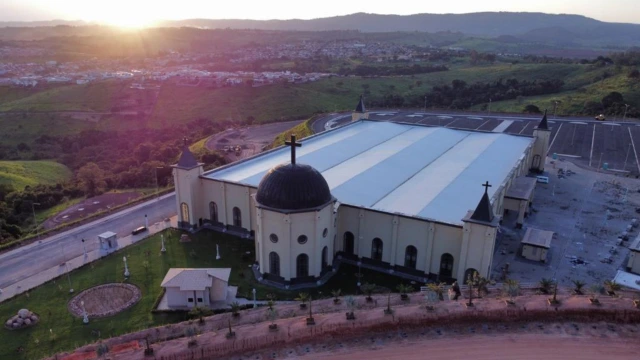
[[293, 187]]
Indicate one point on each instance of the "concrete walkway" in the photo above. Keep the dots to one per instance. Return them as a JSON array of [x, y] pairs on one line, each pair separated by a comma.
[[74, 263]]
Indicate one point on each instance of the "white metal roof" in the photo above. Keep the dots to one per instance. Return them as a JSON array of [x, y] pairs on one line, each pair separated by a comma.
[[414, 170], [106, 235], [194, 279]]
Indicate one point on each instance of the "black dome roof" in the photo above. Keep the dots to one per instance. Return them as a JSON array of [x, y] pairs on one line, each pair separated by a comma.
[[293, 187]]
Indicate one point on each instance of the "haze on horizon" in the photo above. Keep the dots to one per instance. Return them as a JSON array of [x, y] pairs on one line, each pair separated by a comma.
[[143, 12]]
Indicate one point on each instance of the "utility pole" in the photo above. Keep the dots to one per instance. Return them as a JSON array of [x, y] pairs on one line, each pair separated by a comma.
[[425, 104], [489, 112], [35, 222], [626, 107]]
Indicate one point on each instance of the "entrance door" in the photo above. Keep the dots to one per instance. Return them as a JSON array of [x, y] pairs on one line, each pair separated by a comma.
[[348, 243], [446, 266]]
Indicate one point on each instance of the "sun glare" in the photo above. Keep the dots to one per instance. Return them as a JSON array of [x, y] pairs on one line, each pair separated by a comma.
[[128, 21]]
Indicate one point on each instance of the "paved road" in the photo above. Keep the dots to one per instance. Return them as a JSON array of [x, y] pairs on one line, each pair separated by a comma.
[[26, 261]]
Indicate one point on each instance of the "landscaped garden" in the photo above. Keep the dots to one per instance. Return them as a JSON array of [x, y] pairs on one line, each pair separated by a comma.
[[58, 330]]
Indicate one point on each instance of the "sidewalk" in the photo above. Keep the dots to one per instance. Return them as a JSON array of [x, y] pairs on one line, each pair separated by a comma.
[[72, 264]]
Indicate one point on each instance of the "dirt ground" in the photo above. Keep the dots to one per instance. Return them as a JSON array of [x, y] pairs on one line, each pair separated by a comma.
[[587, 211], [252, 139], [90, 206], [444, 331]]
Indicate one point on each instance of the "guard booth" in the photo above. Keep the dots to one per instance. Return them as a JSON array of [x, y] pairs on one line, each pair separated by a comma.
[[108, 240], [536, 244]]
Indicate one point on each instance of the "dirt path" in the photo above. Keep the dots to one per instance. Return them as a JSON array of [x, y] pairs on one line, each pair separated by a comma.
[[496, 347]]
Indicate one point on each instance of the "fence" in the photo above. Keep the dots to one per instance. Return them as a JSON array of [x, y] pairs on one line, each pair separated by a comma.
[[284, 337]]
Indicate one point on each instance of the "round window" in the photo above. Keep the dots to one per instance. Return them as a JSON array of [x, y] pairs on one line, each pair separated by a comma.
[[325, 232], [302, 239], [273, 238]]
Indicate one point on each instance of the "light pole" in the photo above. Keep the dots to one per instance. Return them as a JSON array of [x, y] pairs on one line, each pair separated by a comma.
[[489, 112], [626, 107], [126, 268], [85, 317], [163, 250], [425, 104], [64, 257], [555, 108], [35, 222], [254, 298], [84, 248]]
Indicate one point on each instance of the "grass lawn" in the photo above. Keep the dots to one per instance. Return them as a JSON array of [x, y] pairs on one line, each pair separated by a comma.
[[301, 131], [22, 173], [148, 267]]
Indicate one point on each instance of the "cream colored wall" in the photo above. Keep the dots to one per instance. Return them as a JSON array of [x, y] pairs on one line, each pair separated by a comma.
[[218, 290], [188, 188], [529, 252], [177, 298], [540, 146], [227, 196], [412, 232], [375, 225], [348, 220], [634, 262], [477, 249], [288, 227], [448, 239]]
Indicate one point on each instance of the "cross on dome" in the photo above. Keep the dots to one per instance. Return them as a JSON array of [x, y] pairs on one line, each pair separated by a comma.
[[486, 187], [293, 145]]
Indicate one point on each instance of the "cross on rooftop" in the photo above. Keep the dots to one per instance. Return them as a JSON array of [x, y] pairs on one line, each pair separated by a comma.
[[293, 145], [486, 187]]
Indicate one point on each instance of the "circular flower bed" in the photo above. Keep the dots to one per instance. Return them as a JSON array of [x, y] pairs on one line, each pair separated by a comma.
[[105, 300]]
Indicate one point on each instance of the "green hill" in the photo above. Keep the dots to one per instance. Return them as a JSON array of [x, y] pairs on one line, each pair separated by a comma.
[[19, 174]]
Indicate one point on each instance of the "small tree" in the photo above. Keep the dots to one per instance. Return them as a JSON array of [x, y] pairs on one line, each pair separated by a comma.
[[235, 308], [191, 332], [596, 290], [554, 300], [511, 288], [470, 286], [303, 298], [272, 316], [577, 286], [368, 289], [388, 310], [336, 295], [351, 305], [480, 283], [438, 289], [612, 286], [102, 349], [545, 285], [231, 333], [403, 290]]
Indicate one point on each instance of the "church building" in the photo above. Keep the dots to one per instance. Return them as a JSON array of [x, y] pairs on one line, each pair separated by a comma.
[[409, 198]]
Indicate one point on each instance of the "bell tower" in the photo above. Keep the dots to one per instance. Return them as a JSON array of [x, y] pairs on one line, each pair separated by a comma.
[[186, 175], [360, 111], [541, 134]]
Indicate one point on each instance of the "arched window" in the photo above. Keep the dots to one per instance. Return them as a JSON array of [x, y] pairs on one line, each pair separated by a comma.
[[446, 266], [376, 249], [184, 210], [213, 212], [325, 257], [274, 263], [237, 217], [348, 243], [302, 265], [410, 257], [468, 275]]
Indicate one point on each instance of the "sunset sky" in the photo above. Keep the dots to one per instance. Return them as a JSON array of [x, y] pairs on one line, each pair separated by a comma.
[[143, 12]]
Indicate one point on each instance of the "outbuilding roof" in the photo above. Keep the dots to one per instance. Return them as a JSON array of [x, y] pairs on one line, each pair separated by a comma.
[[188, 279], [537, 237], [413, 170], [635, 244]]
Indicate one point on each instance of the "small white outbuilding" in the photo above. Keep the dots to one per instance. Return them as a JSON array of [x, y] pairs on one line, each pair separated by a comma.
[[207, 287]]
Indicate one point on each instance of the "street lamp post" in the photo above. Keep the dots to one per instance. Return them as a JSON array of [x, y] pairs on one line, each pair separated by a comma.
[[163, 250], [126, 268], [626, 107], [489, 113], [35, 222], [84, 248], [255, 305], [555, 108], [85, 317]]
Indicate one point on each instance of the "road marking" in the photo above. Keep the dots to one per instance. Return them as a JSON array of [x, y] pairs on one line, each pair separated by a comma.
[[593, 139], [578, 123], [482, 125], [451, 123], [414, 115], [502, 126], [611, 124], [475, 118], [554, 138], [449, 117], [551, 122], [530, 122], [634, 149]]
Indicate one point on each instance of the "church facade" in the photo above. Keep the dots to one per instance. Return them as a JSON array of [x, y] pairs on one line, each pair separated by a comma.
[[407, 198]]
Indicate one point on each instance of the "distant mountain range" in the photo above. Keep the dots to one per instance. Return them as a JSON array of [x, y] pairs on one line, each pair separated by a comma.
[[534, 27]]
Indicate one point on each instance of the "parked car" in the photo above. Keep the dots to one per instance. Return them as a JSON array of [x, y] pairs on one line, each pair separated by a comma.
[[601, 117]]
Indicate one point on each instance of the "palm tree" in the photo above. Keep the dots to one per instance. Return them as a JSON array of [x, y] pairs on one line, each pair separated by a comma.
[[303, 298], [545, 285], [577, 286], [235, 307], [612, 287], [596, 289], [403, 290], [438, 289], [351, 305], [511, 288], [368, 288], [336, 295]]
